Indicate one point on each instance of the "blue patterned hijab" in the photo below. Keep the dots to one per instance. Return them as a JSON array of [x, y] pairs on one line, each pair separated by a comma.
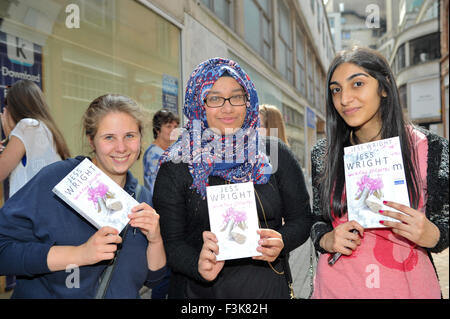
[[236, 158]]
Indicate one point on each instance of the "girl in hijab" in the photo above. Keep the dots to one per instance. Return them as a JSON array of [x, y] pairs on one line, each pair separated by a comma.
[[220, 145]]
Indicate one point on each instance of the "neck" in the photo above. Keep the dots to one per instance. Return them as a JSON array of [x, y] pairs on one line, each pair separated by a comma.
[[365, 136], [159, 142]]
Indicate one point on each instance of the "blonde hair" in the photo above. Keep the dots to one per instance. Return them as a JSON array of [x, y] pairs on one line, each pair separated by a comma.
[[106, 104], [273, 119]]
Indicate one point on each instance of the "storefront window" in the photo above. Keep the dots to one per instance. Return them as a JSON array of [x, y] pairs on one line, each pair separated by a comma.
[[117, 47]]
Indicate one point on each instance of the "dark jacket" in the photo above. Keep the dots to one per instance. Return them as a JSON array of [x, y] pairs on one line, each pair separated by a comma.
[[35, 219], [184, 217]]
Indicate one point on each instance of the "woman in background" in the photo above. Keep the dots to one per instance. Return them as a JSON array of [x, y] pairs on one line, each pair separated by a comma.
[[272, 121], [34, 139]]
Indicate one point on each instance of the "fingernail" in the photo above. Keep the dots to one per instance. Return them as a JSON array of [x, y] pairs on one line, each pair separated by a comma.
[[381, 221], [381, 211], [385, 202]]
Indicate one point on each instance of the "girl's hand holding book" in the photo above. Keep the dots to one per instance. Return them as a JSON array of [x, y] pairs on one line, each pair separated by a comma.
[[341, 239], [144, 217], [412, 224]]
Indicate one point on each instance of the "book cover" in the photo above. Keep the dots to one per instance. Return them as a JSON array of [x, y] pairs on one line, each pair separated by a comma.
[[374, 172], [95, 196], [234, 219]]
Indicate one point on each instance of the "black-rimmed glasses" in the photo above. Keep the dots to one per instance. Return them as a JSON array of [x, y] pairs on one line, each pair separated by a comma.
[[218, 101]]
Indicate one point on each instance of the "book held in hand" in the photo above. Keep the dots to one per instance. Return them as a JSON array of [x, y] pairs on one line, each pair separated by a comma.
[[234, 219], [374, 173], [95, 196]]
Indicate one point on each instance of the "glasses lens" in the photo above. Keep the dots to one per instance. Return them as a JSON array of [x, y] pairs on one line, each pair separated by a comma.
[[214, 101], [238, 100]]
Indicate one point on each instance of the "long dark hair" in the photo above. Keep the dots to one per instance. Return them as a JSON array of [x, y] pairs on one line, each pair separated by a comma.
[[338, 132], [26, 100]]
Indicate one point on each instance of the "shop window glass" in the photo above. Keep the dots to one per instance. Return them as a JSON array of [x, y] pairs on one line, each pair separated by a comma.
[[120, 47]]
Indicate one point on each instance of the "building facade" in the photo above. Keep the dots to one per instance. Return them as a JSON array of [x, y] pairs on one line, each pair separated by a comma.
[[77, 50], [412, 45], [356, 23]]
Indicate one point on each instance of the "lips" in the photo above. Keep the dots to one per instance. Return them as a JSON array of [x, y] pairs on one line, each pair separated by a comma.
[[351, 110], [227, 120], [120, 159]]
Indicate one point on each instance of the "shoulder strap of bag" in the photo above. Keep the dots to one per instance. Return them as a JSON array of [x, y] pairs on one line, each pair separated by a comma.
[[105, 278]]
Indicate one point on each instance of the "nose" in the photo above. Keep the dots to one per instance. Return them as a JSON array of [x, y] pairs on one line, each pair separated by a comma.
[[227, 107], [346, 97], [120, 146]]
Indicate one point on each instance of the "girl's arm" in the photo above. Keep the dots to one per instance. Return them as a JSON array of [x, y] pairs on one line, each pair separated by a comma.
[[11, 156], [100, 246]]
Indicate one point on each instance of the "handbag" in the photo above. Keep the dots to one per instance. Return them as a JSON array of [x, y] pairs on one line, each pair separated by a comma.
[[106, 275]]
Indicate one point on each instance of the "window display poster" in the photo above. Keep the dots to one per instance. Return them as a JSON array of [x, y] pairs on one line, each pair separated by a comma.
[[170, 93], [20, 59]]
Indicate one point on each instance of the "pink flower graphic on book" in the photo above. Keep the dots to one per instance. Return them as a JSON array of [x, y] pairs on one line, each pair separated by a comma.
[[369, 194], [234, 224], [103, 199], [373, 185]]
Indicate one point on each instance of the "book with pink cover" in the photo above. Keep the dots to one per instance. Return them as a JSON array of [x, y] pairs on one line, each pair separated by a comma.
[[234, 219], [95, 196], [374, 173]]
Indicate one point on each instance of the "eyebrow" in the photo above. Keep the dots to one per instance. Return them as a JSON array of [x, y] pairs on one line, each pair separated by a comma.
[[351, 77], [235, 90], [114, 134]]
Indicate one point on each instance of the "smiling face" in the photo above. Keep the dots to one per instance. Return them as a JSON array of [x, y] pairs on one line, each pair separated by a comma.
[[356, 99], [117, 145], [228, 118]]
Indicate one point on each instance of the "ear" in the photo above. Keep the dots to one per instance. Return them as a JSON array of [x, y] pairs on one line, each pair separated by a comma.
[[91, 143], [383, 94]]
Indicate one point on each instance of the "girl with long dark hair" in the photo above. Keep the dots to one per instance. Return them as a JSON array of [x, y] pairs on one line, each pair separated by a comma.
[[362, 106], [34, 138]]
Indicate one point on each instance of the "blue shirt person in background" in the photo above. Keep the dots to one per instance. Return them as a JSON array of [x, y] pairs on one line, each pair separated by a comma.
[[164, 122]]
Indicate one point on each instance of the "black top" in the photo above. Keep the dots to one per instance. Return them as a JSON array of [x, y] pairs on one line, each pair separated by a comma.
[[184, 217]]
